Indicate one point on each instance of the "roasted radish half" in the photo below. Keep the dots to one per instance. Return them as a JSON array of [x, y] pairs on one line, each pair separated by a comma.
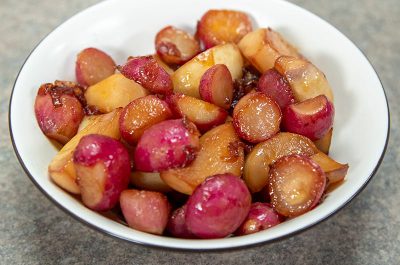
[[165, 145], [258, 161], [312, 118], [176, 46], [140, 114], [205, 115], [186, 79], [256, 117], [222, 26], [220, 152], [296, 184], [275, 86], [146, 71], [261, 216], [102, 167], [262, 47], [146, 211], [58, 112], [218, 206], [92, 66], [177, 224], [216, 86]]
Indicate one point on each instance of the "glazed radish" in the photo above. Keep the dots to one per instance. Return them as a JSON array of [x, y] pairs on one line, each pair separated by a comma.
[[149, 181], [334, 171], [222, 26], [165, 145], [305, 79], [216, 86], [324, 143], [261, 216], [141, 114], [113, 92], [146, 211], [176, 46], [262, 47], [102, 167], [220, 152], [275, 86], [218, 206], [61, 168], [296, 184], [146, 71], [93, 65], [205, 115], [312, 118], [58, 112], [256, 117], [177, 224], [260, 158], [186, 79]]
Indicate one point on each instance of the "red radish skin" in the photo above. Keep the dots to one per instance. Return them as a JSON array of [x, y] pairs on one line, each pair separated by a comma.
[[218, 206], [146, 71], [205, 115], [296, 184], [275, 86], [58, 121], [165, 145], [222, 26], [141, 114], [146, 211], [256, 117], [176, 46], [220, 152], [261, 216], [103, 168], [312, 118], [216, 86], [177, 225], [93, 65]]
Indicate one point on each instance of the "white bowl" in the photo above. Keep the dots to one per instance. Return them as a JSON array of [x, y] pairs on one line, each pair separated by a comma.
[[124, 27]]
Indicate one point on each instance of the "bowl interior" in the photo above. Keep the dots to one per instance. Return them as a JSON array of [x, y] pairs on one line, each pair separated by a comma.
[[123, 28]]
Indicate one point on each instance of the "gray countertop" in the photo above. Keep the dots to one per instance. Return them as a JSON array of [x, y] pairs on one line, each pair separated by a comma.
[[367, 231]]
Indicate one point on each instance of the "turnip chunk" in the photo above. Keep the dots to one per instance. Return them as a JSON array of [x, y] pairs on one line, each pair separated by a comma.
[[218, 206], [260, 158], [165, 145], [102, 168], [146, 211]]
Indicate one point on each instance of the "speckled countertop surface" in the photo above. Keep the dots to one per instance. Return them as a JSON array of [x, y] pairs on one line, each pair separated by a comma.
[[34, 231]]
